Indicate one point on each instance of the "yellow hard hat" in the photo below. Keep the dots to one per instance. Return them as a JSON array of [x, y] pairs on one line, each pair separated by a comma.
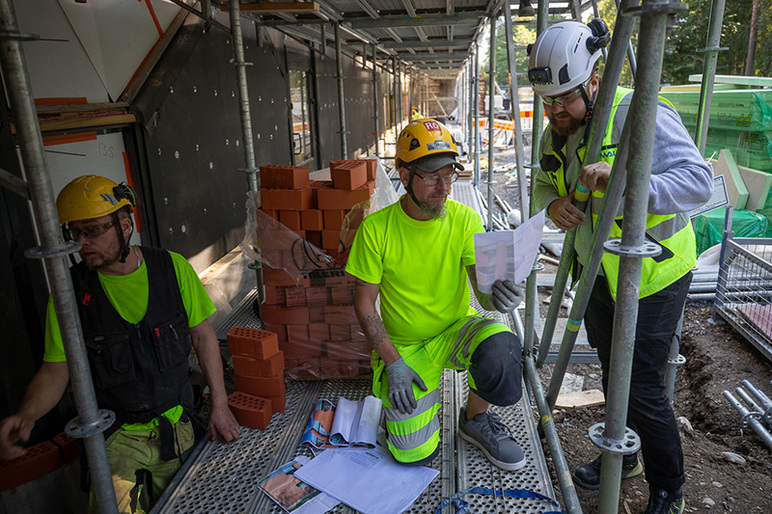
[[424, 137], [92, 196]]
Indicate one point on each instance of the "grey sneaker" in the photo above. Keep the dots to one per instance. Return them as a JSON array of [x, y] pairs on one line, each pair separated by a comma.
[[492, 437]]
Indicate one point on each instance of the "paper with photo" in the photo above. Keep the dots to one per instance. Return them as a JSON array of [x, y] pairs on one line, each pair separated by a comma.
[[368, 480], [293, 495], [507, 254]]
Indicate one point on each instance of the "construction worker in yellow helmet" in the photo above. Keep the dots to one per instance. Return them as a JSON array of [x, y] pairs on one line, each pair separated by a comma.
[[141, 309], [417, 255]]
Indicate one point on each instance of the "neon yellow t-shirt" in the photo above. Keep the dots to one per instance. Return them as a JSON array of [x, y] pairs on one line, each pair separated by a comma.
[[420, 266], [129, 296]]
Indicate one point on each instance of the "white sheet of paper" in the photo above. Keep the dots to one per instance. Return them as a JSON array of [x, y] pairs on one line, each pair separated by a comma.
[[368, 480], [507, 254]]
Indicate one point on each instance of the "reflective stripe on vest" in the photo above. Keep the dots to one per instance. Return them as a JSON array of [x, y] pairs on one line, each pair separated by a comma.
[[672, 232]]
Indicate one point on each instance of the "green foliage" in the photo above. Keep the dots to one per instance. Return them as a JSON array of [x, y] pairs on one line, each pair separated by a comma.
[[686, 40]]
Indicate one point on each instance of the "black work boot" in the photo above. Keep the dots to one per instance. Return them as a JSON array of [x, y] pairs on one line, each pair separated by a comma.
[[588, 475], [665, 502], [525, 8]]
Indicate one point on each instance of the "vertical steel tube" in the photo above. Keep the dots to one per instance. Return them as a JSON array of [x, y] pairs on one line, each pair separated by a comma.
[[253, 172], [376, 101], [19, 90], [491, 104], [709, 73], [341, 94], [476, 109], [395, 96], [400, 98], [644, 104]]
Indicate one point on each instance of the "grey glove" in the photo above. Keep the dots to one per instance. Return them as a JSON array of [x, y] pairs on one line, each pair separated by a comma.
[[506, 296], [401, 378]]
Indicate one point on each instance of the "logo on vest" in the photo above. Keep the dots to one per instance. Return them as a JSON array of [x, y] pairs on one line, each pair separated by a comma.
[[86, 299], [608, 153]]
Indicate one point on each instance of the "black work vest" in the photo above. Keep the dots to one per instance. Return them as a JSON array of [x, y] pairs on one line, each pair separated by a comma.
[[139, 370]]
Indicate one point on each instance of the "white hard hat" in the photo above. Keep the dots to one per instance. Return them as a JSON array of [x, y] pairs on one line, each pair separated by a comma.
[[564, 56]]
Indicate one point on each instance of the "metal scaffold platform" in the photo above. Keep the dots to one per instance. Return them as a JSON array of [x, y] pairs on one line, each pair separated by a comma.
[[224, 477]]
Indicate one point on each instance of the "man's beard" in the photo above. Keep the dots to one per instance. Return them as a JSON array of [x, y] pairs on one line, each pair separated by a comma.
[[565, 131], [431, 212], [107, 260]]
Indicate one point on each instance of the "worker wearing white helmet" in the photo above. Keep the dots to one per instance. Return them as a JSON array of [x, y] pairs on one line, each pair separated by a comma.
[[563, 72]]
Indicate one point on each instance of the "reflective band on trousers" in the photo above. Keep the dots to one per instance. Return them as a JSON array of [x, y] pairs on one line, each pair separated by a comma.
[[466, 337]]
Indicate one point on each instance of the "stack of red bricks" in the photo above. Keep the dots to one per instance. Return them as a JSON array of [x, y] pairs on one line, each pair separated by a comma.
[[258, 376], [313, 315], [315, 209], [38, 461]]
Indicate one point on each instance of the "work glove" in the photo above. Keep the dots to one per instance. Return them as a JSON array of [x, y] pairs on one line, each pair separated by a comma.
[[401, 378], [506, 296]]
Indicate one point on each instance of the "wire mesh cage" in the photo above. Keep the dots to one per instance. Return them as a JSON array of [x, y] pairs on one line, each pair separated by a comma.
[[744, 290]]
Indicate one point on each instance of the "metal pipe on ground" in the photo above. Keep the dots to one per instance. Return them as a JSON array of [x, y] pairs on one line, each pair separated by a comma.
[[750, 419]]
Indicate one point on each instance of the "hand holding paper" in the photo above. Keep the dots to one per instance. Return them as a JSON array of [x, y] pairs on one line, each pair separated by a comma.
[[506, 296], [507, 255]]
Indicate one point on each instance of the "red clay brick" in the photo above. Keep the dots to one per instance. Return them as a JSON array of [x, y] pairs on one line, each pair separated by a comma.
[[295, 296], [68, 447], [316, 313], [259, 386], [278, 403], [333, 218], [297, 334], [340, 332], [252, 342], [301, 233], [274, 295], [271, 212], [38, 461], [339, 199], [349, 175], [284, 177], [316, 185], [280, 277], [311, 219], [271, 367], [329, 367], [340, 314], [285, 315], [279, 329], [341, 295], [317, 296], [318, 332], [249, 410], [314, 237], [290, 219], [372, 166], [287, 199], [330, 238], [301, 350]]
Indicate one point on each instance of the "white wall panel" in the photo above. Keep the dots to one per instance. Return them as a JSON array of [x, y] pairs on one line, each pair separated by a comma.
[[57, 69]]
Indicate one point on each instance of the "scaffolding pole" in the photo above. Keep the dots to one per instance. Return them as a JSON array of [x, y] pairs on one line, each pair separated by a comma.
[[251, 169], [341, 93], [633, 246], [476, 107], [491, 96], [376, 100], [91, 422], [709, 73]]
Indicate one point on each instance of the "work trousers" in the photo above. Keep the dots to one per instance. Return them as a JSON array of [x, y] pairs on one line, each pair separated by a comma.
[[649, 411], [492, 356], [139, 474]]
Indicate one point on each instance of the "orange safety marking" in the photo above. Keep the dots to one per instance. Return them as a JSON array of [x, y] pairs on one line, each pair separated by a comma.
[[152, 14], [63, 139]]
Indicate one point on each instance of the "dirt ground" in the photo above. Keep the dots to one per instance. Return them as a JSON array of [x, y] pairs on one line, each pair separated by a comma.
[[717, 358]]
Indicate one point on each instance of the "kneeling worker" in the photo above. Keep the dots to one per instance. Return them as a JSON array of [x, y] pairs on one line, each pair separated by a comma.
[[417, 255], [141, 309]]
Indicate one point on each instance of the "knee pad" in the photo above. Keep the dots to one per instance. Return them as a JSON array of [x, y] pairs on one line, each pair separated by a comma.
[[497, 369]]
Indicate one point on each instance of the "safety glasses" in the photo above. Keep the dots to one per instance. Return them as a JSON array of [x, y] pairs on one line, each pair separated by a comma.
[[88, 232], [433, 180], [565, 98]]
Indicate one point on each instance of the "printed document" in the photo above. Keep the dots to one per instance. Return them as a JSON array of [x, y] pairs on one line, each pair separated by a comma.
[[507, 254], [292, 495], [368, 480]]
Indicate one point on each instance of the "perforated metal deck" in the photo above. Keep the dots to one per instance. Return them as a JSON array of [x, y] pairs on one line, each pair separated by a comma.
[[224, 477]]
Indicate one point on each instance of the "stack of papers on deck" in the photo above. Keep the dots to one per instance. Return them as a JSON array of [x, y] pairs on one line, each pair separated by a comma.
[[368, 480]]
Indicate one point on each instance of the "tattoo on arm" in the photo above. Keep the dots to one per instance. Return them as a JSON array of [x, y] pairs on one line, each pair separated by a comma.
[[374, 330]]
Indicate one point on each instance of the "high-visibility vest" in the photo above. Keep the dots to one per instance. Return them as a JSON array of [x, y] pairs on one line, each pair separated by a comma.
[[673, 232]]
